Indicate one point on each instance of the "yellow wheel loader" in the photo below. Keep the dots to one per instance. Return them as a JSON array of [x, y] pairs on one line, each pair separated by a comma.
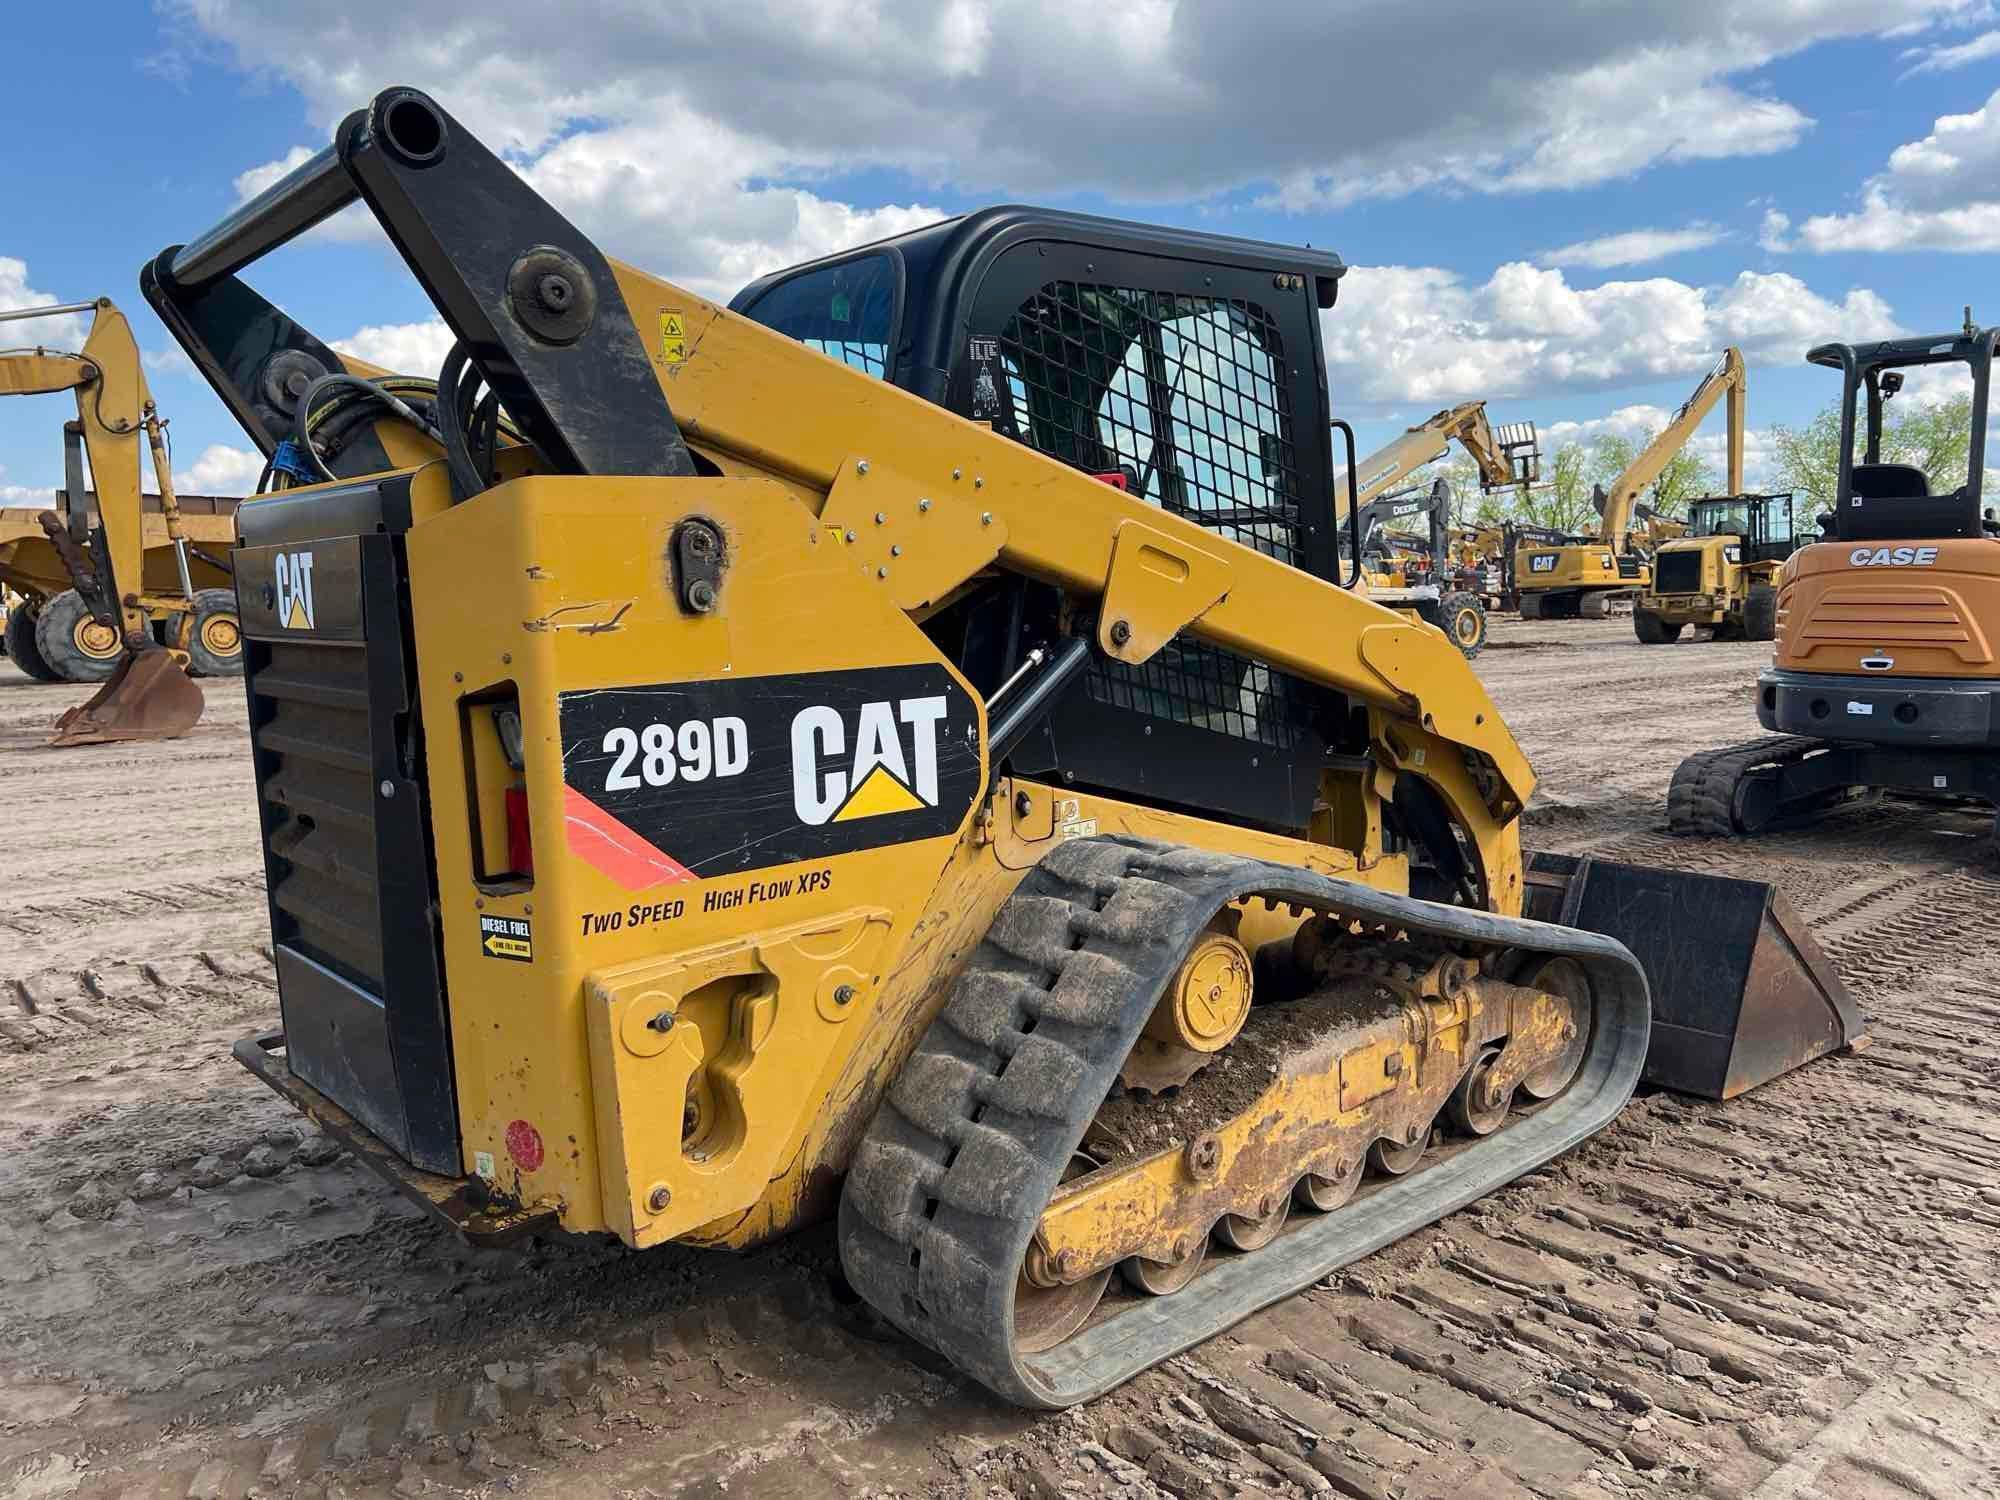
[[1886, 676], [1570, 577], [100, 628], [1722, 572], [37, 558], [786, 781]]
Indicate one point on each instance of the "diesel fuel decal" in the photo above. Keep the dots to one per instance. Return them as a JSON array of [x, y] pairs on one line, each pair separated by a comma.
[[692, 781], [507, 937]]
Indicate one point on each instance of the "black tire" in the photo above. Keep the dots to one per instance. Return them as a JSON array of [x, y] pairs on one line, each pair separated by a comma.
[[1531, 606], [1652, 630], [73, 642], [215, 635], [22, 650], [1464, 621], [1760, 613]]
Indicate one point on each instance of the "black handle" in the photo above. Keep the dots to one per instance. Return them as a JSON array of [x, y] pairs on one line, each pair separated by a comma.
[[1353, 507]]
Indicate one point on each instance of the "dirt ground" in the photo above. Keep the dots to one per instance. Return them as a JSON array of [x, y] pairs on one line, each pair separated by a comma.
[[1790, 1295]]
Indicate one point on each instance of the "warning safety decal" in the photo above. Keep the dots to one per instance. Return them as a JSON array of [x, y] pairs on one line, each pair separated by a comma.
[[689, 781]]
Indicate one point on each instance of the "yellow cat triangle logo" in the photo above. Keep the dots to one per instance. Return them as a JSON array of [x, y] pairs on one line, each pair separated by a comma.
[[878, 793], [297, 620]]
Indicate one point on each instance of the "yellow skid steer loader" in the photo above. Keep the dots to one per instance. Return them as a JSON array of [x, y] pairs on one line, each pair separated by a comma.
[[728, 783]]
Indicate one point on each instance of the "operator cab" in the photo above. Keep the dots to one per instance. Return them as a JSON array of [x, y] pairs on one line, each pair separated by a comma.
[[1185, 369], [1879, 500], [1761, 524]]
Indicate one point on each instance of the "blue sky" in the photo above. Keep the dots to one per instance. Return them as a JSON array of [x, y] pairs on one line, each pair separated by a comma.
[[1771, 180]]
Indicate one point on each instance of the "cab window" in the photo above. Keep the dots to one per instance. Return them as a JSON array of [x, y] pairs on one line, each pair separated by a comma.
[[847, 310]]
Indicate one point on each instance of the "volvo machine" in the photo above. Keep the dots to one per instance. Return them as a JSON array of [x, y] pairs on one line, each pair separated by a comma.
[[1581, 576], [1885, 676], [744, 771], [1721, 572], [101, 627]]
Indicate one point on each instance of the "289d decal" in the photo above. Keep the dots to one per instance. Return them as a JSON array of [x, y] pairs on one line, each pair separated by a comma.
[[688, 782]]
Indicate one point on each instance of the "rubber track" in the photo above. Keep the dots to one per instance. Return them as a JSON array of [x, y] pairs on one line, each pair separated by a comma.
[[1701, 799], [950, 1181]]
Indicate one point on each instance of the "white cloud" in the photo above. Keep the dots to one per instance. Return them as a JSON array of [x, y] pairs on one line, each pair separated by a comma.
[[1638, 423], [26, 494], [400, 348], [1775, 233], [64, 332], [1939, 193], [1422, 334], [1633, 247], [1184, 100], [221, 470], [1944, 59]]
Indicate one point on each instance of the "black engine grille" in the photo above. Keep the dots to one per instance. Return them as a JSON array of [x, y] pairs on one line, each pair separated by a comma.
[[1677, 573]]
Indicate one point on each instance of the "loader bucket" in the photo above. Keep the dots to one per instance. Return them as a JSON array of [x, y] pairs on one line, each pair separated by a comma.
[[1741, 992], [147, 698]]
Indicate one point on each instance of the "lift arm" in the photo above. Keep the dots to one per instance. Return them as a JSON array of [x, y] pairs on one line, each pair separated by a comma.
[[1727, 378], [1509, 459]]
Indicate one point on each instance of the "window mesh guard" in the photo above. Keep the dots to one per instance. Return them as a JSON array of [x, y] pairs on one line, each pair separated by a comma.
[[1188, 398]]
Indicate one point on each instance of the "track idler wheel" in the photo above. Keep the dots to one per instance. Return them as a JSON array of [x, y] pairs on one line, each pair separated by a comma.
[[1163, 1278], [1474, 1107], [1324, 1194], [1046, 1315], [1241, 1233], [1562, 979], [1398, 1158]]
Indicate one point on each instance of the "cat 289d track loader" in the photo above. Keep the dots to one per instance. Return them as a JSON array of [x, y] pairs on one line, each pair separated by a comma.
[[757, 789]]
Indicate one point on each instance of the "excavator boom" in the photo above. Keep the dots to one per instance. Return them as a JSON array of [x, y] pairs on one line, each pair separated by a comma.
[[1504, 461], [1622, 495]]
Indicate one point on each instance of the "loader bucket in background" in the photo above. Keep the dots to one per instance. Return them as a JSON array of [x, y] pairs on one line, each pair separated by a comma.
[[148, 697], [1741, 992]]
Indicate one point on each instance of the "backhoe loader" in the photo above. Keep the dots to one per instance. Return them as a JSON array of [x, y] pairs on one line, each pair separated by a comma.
[[1885, 676], [1581, 576], [785, 780], [107, 614]]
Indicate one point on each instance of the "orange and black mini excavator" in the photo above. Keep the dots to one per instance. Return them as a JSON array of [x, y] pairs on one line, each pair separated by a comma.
[[1886, 676], [907, 750]]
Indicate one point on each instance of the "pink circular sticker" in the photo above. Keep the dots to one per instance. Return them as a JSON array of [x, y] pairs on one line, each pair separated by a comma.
[[524, 1144]]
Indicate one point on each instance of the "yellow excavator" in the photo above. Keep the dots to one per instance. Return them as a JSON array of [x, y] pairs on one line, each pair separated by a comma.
[[108, 610], [783, 780], [1581, 576]]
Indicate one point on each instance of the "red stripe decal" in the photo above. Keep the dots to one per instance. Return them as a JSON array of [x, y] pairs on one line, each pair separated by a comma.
[[599, 839]]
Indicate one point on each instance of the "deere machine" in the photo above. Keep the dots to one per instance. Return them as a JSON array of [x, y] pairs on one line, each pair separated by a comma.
[[1885, 677], [1581, 576], [1417, 575], [1721, 572], [1420, 578], [101, 627], [777, 784]]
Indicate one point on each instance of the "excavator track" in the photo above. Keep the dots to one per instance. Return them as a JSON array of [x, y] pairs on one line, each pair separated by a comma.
[[1705, 796], [980, 1127]]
